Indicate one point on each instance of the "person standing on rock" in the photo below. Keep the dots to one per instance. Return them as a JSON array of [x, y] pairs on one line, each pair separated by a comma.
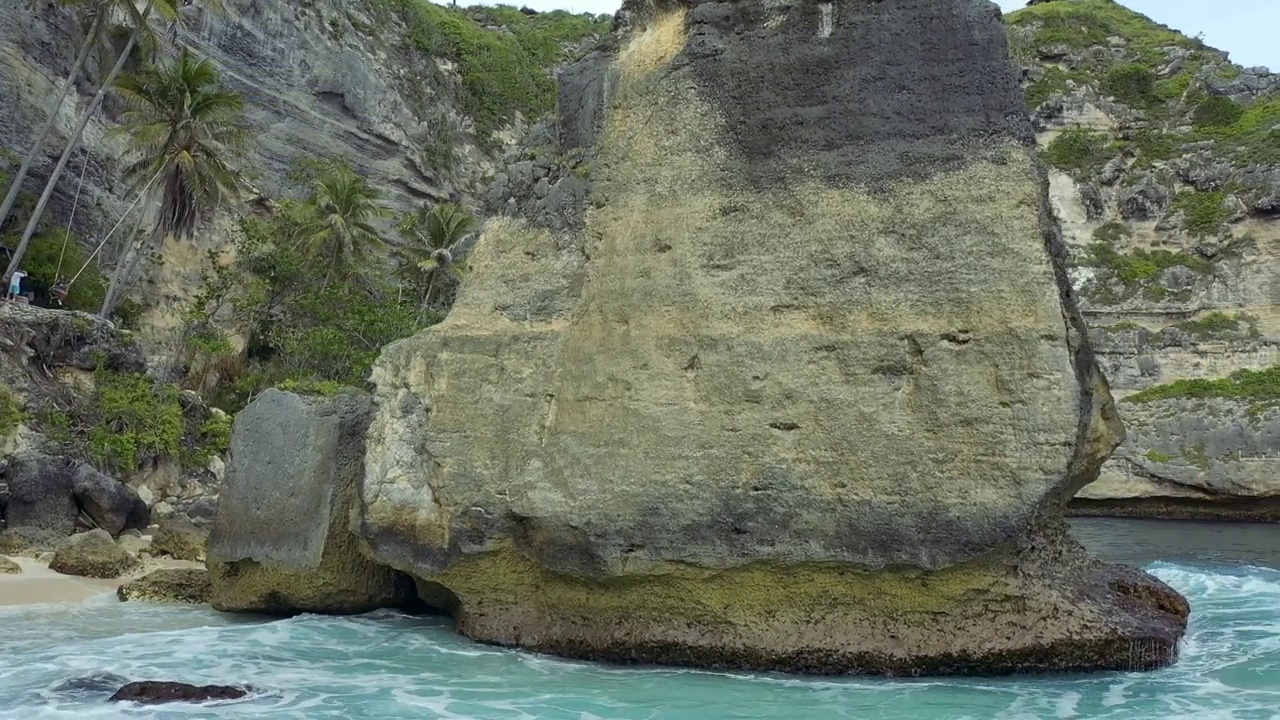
[[15, 284]]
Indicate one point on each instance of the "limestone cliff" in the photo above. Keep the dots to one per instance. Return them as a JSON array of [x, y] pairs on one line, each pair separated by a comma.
[[422, 112], [776, 365], [1165, 174]]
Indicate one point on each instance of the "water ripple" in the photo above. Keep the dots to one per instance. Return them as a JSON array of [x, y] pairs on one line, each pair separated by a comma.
[[387, 665]]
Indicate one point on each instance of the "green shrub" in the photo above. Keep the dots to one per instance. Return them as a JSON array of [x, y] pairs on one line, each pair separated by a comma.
[[129, 419], [1216, 112], [1131, 84], [1205, 212], [1088, 23], [211, 439], [1141, 265], [1077, 149], [1155, 455], [502, 72], [11, 415], [1211, 325], [1251, 385], [41, 263], [1113, 232]]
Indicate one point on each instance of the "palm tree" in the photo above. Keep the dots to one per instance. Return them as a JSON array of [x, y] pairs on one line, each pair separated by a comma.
[[433, 256], [168, 10], [183, 128], [337, 220]]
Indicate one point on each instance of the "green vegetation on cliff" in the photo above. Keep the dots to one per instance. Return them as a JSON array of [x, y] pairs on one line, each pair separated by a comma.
[[1083, 24], [505, 58], [1158, 71], [1246, 385], [1217, 324], [128, 420], [11, 414]]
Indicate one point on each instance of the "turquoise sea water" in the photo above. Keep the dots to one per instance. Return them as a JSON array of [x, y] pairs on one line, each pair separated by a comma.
[[386, 665]]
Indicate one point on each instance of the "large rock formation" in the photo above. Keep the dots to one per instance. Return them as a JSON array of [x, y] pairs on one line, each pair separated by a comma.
[[778, 368], [282, 541], [1165, 174]]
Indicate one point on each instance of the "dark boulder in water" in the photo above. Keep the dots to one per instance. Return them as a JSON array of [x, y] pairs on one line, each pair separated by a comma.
[[152, 692]]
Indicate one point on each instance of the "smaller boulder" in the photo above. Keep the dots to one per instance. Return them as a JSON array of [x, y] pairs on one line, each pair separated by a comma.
[[133, 542], [112, 505], [151, 693], [40, 494], [28, 541], [93, 554], [203, 510], [169, 585], [180, 540], [8, 567]]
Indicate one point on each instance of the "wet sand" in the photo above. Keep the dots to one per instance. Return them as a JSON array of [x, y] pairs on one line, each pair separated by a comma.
[[37, 584]]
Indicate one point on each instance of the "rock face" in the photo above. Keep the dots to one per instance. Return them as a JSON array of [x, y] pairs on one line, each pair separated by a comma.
[[1167, 189], [801, 384], [169, 585], [282, 540], [41, 493], [1193, 458]]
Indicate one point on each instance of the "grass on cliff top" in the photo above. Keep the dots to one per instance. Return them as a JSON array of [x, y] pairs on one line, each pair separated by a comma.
[[1088, 23], [1246, 385], [503, 72]]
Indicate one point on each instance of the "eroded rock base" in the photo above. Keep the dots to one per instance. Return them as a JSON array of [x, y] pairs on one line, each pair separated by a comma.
[[1006, 615]]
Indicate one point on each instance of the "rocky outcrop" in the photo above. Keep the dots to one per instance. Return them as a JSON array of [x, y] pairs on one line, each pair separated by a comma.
[[804, 389], [1193, 458], [282, 541], [1165, 177], [9, 567], [41, 493], [63, 377], [93, 554], [169, 585], [155, 693]]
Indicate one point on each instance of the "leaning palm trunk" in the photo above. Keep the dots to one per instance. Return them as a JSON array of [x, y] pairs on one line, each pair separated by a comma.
[[16, 186], [74, 143], [127, 266]]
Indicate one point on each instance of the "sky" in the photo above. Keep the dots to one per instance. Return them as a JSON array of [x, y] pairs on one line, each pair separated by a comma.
[[1247, 29]]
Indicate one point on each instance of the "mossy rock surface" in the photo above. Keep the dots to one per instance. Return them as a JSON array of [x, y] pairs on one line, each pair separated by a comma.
[[180, 540], [93, 554], [28, 541], [169, 585]]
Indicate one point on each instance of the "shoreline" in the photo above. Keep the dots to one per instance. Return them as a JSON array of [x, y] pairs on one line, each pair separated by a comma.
[[38, 585]]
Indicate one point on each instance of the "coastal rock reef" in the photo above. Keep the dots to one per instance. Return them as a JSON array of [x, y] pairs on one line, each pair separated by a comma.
[[766, 364]]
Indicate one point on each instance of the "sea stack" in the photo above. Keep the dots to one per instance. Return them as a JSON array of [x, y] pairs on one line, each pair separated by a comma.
[[773, 365]]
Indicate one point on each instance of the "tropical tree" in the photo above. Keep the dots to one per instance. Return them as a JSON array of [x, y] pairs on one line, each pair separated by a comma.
[[336, 222], [142, 31], [184, 128], [431, 260]]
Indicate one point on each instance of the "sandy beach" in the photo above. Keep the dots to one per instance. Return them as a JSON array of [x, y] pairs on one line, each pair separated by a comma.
[[37, 584]]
